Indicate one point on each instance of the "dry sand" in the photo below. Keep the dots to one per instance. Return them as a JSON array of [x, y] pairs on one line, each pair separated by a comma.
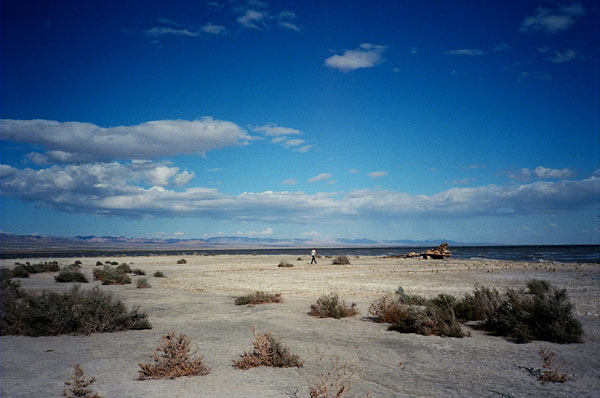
[[197, 298]]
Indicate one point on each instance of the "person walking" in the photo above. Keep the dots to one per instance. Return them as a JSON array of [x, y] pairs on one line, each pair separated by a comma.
[[313, 253]]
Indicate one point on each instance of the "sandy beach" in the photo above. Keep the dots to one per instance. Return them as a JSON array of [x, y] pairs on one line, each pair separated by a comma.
[[197, 298]]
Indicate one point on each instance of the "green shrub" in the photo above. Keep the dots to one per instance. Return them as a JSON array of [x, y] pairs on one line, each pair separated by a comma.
[[539, 312], [159, 274], [98, 263], [479, 305], [125, 268], [182, 261], [268, 351], [138, 272], [73, 312], [71, 267], [114, 263], [259, 298], [11, 295], [70, 276], [409, 299], [340, 260], [77, 262], [19, 272], [285, 264], [331, 307], [142, 283], [111, 276]]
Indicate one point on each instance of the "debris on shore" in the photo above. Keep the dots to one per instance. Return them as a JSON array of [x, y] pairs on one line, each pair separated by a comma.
[[438, 253]]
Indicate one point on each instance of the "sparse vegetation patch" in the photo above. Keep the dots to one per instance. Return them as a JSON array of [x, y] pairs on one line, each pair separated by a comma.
[[70, 276], [285, 264], [340, 260], [552, 371], [142, 283], [138, 272], [330, 306], [259, 298], [173, 358], [159, 274], [111, 276], [182, 261], [125, 268]]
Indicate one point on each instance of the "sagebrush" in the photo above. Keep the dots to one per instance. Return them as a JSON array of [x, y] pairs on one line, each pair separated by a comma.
[[173, 358], [77, 385], [71, 276], [142, 283], [111, 276], [552, 370], [340, 260], [330, 306], [259, 298], [268, 351]]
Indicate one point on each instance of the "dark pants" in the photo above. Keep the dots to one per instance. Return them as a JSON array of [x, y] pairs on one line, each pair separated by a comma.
[[313, 259]]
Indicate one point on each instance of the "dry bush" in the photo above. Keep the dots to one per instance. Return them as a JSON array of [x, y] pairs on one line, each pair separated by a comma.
[[387, 309], [19, 272], [552, 372], [182, 261], [285, 264], [138, 272], [159, 274], [98, 263], [73, 312], [124, 268], [173, 358], [77, 386], [111, 276], [259, 298], [479, 305], [70, 276], [331, 307], [142, 283], [268, 351], [333, 382], [340, 260]]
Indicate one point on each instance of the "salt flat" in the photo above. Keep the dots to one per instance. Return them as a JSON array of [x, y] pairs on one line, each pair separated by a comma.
[[197, 299]]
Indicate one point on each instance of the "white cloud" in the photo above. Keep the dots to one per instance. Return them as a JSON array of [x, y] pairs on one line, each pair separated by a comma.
[[214, 29], [168, 21], [560, 57], [289, 181], [320, 177], [285, 19], [161, 175], [501, 46], [522, 175], [178, 234], [366, 56], [77, 142], [552, 20], [253, 19], [543, 172], [162, 31], [476, 166], [266, 231], [271, 129], [464, 51], [289, 25], [304, 148], [377, 174], [463, 181], [183, 178], [107, 189], [294, 142], [352, 171]]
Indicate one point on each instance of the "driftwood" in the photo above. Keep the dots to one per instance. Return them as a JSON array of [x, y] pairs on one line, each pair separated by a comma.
[[439, 252]]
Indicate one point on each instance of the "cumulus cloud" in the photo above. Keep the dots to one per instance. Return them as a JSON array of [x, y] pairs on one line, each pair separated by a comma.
[[377, 174], [273, 130], [214, 29], [320, 177], [69, 142], [560, 57], [464, 51], [294, 142], [543, 172], [107, 189], [253, 19], [552, 20], [366, 56], [289, 181]]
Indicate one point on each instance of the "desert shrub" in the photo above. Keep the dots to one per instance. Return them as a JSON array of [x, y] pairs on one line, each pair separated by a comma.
[[38, 268], [114, 263], [19, 272], [552, 371], [182, 261], [77, 386], [340, 260], [299, 259], [125, 268], [334, 381], [10, 297], [138, 272], [111, 276], [539, 312], [98, 263], [142, 283], [415, 314], [159, 274], [259, 298], [71, 267], [268, 351], [70, 276], [173, 358], [108, 262], [77, 262], [478, 305], [329, 306], [73, 312], [5, 274], [285, 264]]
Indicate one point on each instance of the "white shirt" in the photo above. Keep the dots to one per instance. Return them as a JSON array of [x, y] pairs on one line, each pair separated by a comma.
[[313, 253]]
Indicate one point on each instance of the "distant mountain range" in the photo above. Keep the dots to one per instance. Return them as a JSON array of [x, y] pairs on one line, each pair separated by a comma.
[[10, 242]]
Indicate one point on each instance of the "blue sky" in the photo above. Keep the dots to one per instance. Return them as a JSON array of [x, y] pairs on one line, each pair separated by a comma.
[[475, 122]]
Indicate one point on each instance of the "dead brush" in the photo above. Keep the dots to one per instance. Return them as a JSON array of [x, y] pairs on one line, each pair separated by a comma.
[[334, 382], [331, 307], [259, 298], [173, 359], [77, 386], [552, 372], [268, 351]]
